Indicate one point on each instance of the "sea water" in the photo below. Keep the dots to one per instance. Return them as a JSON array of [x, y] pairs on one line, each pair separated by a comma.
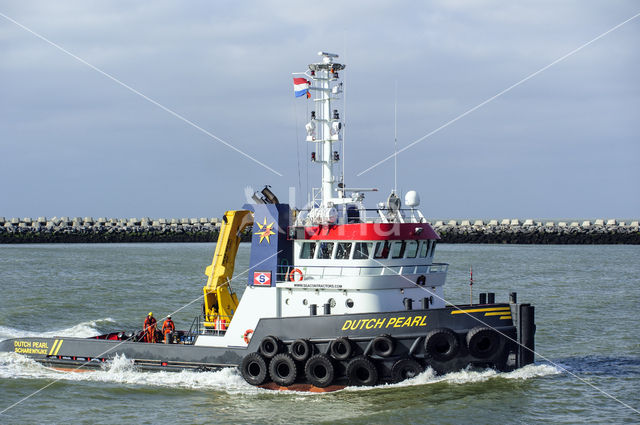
[[587, 370]]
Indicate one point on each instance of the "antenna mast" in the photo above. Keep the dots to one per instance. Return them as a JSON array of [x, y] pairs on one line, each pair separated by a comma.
[[395, 141], [325, 76]]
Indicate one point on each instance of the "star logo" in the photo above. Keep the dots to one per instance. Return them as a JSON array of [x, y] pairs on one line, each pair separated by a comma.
[[265, 230]]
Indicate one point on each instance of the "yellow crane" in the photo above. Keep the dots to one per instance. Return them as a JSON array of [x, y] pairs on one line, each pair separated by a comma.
[[220, 302]]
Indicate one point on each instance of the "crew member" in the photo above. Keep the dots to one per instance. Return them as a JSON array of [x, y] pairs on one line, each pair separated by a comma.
[[150, 328], [167, 329]]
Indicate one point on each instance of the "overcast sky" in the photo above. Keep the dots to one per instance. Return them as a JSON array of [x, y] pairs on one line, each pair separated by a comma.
[[563, 144]]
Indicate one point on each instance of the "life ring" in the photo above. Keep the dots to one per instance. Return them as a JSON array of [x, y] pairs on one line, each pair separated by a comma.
[[294, 272], [247, 335]]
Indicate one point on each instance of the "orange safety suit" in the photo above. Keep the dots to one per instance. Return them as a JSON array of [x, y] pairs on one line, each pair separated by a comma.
[[168, 327], [150, 329]]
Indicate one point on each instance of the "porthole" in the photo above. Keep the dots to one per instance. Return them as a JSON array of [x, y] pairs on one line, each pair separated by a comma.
[[332, 302], [286, 301], [349, 303], [305, 302]]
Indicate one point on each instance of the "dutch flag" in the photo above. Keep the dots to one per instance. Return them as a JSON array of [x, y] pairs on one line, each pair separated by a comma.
[[301, 87]]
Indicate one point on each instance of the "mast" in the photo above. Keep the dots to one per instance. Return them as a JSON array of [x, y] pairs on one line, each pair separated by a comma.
[[326, 77]]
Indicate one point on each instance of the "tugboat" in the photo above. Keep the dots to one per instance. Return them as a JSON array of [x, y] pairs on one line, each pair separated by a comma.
[[337, 294]]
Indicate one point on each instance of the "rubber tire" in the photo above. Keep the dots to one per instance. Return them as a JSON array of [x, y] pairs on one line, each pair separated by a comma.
[[301, 350], [434, 344], [405, 369], [388, 345], [317, 363], [283, 370], [341, 348], [362, 372], [254, 369], [482, 342], [270, 346]]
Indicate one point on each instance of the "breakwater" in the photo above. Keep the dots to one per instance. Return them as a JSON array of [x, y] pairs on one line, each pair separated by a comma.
[[510, 231]]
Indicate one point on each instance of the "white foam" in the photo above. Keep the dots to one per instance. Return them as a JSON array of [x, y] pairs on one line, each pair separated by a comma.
[[122, 371], [470, 376], [81, 330]]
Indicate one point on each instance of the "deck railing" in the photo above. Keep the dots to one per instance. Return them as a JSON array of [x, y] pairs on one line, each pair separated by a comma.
[[369, 215], [219, 328]]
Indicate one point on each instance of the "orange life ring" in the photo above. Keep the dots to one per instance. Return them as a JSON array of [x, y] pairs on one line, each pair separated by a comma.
[[247, 335], [292, 275]]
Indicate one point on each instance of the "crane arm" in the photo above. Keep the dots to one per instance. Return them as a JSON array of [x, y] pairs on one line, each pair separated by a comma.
[[220, 302]]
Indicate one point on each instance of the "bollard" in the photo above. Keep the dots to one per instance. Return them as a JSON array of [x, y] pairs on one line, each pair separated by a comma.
[[527, 335], [491, 298], [513, 297], [313, 309], [327, 308], [483, 297], [408, 303]]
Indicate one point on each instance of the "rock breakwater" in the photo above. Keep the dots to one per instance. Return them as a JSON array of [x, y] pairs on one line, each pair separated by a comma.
[[530, 231], [509, 231]]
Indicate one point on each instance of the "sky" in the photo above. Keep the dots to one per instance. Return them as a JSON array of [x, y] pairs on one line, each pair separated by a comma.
[[563, 144]]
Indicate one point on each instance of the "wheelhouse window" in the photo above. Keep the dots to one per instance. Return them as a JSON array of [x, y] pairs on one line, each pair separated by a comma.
[[308, 249], [433, 248], [429, 250], [325, 250], [363, 250], [343, 251], [424, 248], [382, 250], [397, 249], [411, 249]]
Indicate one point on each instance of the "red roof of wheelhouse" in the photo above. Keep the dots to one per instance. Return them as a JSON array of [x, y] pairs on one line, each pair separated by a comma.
[[371, 232]]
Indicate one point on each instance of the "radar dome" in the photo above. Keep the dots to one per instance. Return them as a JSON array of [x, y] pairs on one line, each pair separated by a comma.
[[412, 199]]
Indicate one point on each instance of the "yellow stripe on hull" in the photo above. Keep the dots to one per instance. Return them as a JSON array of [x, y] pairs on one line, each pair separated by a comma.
[[53, 347], [479, 310], [505, 317], [58, 349]]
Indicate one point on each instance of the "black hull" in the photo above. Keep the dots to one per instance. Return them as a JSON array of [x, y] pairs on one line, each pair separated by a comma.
[[419, 335]]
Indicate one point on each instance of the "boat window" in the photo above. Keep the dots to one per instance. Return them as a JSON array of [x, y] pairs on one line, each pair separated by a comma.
[[412, 249], [423, 249], [326, 250], [363, 250], [308, 249], [343, 251], [382, 249], [397, 249], [433, 248]]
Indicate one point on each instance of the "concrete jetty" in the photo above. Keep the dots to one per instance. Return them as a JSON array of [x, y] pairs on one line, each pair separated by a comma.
[[146, 229]]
